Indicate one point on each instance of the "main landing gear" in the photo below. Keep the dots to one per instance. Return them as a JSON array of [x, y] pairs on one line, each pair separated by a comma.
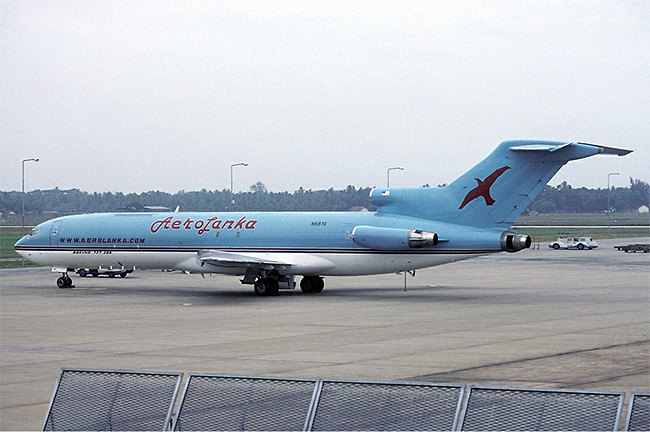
[[269, 284], [312, 284], [266, 287], [64, 281]]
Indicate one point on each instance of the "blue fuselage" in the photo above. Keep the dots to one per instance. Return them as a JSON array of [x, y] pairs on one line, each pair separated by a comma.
[[172, 240]]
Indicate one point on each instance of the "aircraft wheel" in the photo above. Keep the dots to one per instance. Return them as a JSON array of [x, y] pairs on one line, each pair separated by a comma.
[[312, 284], [275, 286], [306, 285], [320, 284], [64, 282], [266, 287]]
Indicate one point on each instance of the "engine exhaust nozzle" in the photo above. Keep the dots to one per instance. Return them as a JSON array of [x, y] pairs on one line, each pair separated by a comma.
[[512, 241], [419, 239]]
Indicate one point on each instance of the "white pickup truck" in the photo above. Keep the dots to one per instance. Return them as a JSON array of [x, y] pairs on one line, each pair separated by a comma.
[[573, 243]]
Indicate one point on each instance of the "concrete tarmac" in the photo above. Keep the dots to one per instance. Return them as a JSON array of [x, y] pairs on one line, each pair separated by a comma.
[[536, 318]]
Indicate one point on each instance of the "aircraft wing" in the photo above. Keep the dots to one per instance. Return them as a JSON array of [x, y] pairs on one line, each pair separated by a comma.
[[247, 260], [285, 263]]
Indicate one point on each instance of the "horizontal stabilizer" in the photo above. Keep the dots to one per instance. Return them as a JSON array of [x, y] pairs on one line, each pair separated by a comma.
[[553, 147], [540, 147], [611, 150]]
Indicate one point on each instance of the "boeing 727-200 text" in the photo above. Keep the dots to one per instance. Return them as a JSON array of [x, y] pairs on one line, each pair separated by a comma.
[[413, 228]]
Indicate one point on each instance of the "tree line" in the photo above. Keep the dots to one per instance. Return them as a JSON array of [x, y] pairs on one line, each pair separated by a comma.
[[559, 199], [40, 202], [565, 199]]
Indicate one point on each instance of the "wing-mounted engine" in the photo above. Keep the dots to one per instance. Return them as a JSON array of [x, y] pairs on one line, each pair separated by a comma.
[[393, 238], [512, 241]]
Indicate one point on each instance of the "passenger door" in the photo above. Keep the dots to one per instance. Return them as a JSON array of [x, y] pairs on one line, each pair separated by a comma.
[[54, 233]]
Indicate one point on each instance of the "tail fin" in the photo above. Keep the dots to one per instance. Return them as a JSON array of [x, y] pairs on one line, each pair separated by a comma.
[[494, 192]]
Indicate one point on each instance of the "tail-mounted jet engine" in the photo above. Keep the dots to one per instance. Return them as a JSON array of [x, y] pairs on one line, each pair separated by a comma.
[[393, 238], [513, 242]]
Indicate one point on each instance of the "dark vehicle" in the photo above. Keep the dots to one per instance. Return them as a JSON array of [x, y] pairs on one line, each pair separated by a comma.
[[83, 272], [638, 247]]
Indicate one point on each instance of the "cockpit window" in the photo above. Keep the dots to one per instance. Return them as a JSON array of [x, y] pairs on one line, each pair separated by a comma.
[[33, 232]]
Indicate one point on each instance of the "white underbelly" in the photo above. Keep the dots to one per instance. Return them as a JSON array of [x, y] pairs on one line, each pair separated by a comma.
[[108, 259], [345, 263], [368, 263]]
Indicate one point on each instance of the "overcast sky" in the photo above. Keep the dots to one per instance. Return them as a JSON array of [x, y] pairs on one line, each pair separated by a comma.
[[134, 96]]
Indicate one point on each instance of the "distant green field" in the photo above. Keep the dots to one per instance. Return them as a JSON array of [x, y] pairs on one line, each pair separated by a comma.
[[615, 219], [548, 227], [8, 257], [16, 221], [552, 233]]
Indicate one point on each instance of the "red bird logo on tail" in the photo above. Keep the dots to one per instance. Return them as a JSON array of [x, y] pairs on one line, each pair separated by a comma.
[[483, 188]]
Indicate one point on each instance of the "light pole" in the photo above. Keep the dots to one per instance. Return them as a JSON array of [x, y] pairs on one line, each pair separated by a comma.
[[388, 174], [608, 207], [232, 200], [23, 194]]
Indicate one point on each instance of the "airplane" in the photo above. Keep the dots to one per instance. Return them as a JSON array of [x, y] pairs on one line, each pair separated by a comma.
[[412, 228]]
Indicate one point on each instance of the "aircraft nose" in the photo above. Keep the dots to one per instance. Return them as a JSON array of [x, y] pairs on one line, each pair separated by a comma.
[[18, 246], [21, 241], [27, 239]]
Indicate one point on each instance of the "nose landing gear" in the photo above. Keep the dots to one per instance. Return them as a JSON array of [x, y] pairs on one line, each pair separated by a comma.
[[64, 281]]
